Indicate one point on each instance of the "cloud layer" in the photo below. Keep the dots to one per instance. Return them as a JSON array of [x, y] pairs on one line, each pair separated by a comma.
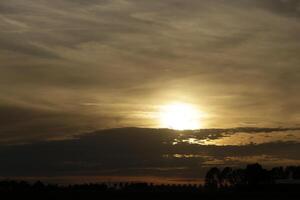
[[133, 152], [72, 66]]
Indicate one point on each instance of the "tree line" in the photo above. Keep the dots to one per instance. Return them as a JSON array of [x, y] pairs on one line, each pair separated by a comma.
[[253, 174]]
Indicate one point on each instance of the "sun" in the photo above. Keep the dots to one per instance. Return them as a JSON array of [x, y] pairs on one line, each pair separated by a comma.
[[180, 116]]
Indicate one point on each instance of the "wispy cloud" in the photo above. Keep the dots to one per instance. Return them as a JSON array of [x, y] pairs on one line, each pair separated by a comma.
[[237, 59]]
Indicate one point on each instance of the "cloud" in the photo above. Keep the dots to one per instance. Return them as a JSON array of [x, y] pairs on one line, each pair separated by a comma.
[[238, 60], [240, 136], [134, 152]]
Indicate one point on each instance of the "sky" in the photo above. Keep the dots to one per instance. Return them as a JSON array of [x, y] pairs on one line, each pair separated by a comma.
[[72, 67]]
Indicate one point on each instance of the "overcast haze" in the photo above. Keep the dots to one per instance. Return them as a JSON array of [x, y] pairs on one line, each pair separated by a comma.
[[83, 65]]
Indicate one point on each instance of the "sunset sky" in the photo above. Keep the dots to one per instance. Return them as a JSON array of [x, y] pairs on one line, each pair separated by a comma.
[[72, 67]]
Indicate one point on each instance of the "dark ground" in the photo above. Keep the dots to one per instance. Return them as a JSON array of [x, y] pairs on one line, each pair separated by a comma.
[[38, 190]]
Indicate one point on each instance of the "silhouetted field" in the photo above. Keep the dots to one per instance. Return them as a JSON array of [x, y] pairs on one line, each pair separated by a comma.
[[253, 182]]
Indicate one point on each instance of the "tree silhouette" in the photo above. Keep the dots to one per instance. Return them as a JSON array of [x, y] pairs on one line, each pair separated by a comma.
[[224, 177], [212, 178], [278, 173]]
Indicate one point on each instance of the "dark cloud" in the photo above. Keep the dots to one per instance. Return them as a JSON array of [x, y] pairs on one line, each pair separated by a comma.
[[286, 7], [23, 124], [132, 151]]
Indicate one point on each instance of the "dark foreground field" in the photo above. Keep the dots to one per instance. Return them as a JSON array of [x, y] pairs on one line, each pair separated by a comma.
[[38, 190]]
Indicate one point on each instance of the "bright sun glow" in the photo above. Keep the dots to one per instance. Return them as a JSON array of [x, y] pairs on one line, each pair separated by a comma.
[[180, 116]]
